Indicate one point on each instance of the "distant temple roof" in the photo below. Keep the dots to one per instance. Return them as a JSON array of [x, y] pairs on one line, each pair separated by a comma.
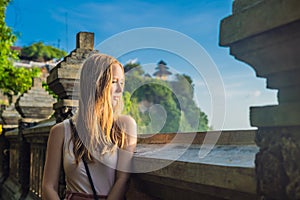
[[162, 70], [162, 65], [162, 62]]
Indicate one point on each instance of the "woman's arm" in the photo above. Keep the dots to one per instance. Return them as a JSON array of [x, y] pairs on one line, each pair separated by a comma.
[[124, 159], [53, 162]]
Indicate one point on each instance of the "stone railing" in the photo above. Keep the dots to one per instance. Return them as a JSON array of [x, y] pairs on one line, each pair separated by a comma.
[[37, 138], [227, 172]]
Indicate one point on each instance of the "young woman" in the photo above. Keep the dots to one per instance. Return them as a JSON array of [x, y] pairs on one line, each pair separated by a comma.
[[98, 134]]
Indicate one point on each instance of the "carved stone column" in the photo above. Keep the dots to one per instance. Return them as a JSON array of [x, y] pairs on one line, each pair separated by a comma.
[[65, 75], [34, 105], [4, 153], [10, 115], [266, 35]]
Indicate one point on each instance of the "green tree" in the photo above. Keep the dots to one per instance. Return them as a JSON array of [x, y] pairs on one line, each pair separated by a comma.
[[159, 93], [41, 53], [12, 80], [134, 68], [175, 97], [7, 38], [131, 107]]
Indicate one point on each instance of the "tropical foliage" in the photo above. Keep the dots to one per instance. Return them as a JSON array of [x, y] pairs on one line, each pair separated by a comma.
[[13, 80], [161, 106], [41, 53]]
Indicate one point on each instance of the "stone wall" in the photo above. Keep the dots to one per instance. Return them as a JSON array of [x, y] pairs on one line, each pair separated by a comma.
[[266, 35]]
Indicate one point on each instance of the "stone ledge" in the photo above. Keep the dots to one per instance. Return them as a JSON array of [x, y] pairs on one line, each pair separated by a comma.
[[267, 14], [12, 133], [260, 51], [286, 114], [241, 5], [196, 180], [42, 127], [229, 137]]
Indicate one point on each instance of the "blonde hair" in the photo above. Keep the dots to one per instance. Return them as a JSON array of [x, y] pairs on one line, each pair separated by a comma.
[[96, 117]]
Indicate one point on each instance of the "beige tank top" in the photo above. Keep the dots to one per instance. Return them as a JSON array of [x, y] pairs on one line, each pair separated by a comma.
[[76, 176]]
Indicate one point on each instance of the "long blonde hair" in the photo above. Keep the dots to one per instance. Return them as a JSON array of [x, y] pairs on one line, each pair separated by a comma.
[[96, 117]]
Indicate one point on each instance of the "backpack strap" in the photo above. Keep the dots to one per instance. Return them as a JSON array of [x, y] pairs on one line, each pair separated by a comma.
[[74, 130]]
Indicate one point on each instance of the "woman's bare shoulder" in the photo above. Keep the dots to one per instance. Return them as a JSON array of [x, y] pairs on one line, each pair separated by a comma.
[[128, 123], [57, 131], [127, 120]]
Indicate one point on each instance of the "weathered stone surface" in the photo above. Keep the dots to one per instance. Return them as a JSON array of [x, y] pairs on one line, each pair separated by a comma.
[[277, 163], [85, 40], [4, 156], [63, 79], [287, 114], [266, 35], [197, 180], [241, 5], [10, 115], [36, 103], [257, 17], [290, 153], [12, 189], [227, 172], [288, 95]]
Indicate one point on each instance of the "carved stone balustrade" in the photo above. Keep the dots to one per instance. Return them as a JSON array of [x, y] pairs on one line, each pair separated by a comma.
[[37, 137], [226, 172], [12, 187]]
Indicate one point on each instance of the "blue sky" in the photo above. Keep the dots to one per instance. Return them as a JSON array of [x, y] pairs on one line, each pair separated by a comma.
[[57, 22]]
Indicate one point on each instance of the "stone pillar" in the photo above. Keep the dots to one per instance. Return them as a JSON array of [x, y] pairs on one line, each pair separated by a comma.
[[10, 115], [4, 153], [34, 105], [65, 75], [266, 35], [11, 189]]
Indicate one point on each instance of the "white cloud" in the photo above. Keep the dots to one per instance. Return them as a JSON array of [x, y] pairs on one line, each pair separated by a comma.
[[132, 61]]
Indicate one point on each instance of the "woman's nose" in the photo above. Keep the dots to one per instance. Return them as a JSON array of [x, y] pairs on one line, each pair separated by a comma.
[[119, 88]]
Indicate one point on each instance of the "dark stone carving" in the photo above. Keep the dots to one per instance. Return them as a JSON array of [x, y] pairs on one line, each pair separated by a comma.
[[266, 35], [64, 77], [36, 103]]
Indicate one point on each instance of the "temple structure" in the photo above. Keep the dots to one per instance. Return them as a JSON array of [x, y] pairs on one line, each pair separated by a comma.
[[162, 71]]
